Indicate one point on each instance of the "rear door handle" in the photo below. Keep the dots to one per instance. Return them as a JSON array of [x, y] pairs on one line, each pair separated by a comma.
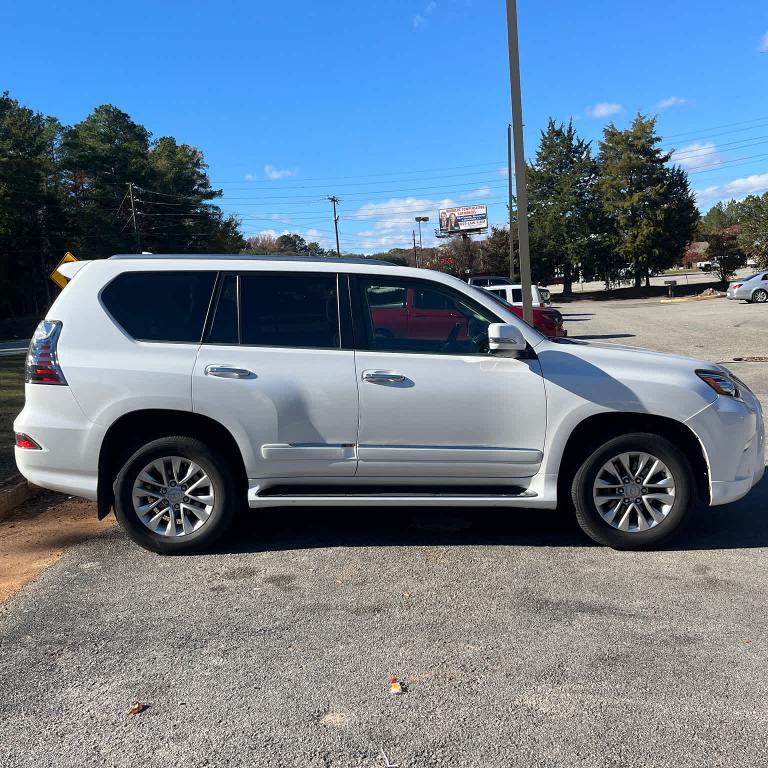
[[226, 372], [382, 377]]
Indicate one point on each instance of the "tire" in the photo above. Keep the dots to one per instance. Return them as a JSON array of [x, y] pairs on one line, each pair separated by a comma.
[[199, 519], [760, 296], [618, 521]]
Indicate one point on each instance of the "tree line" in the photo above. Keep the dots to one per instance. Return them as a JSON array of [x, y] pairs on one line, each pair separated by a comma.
[[618, 213], [67, 188]]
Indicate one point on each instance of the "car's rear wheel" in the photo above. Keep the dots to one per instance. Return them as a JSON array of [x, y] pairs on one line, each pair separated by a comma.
[[760, 296], [633, 492], [173, 495]]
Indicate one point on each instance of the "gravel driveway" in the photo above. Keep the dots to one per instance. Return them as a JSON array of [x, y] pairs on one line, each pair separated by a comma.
[[522, 644]]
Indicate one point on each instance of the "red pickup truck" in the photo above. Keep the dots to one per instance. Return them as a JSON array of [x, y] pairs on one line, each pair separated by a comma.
[[431, 315]]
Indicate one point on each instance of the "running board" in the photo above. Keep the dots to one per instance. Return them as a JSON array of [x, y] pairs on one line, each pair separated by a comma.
[[325, 496]]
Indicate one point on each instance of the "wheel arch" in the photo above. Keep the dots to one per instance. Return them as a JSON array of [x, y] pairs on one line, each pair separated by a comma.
[[604, 426], [136, 428]]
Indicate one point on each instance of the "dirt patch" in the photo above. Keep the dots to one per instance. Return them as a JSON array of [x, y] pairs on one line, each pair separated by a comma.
[[39, 533]]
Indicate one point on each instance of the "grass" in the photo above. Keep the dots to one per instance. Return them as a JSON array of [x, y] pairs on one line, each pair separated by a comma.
[[11, 402]]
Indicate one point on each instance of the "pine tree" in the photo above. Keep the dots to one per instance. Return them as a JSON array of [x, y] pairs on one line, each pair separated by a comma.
[[561, 188], [649, 205]]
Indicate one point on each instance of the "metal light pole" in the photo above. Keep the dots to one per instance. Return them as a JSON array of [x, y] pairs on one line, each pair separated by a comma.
[[419, 219], [517, 131]]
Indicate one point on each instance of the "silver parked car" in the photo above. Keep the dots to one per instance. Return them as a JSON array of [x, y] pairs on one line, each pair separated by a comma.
[[753, 288]]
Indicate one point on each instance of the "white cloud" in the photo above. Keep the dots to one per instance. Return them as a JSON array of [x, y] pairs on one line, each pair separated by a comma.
[[250, 177], [763, 47], [604, 109], [393, 221], [479, 194], [277, 173], [503, 171], [738, 188], [280, 217], [420, 19], [672, 101], [696, 155]]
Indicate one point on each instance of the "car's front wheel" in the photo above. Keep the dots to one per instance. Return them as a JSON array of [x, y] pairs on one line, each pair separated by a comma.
[[175, 496], [633, 492], [760, 296]]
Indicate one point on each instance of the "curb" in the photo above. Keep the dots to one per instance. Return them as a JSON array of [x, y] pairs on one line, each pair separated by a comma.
[[13, 493], [682, 299]]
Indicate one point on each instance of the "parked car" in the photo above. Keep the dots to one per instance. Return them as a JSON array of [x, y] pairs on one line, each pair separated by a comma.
[[513, 294], [753, 288], [176, 390], [483, 281], [547, 320], [401, 312]]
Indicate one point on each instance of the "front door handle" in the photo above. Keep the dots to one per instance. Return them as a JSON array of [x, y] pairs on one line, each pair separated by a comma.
[[383, 377], [226, 372]]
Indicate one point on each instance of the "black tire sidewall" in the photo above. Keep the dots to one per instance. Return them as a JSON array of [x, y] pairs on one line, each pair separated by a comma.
[[762, 293], [224, 493], [589, 518]]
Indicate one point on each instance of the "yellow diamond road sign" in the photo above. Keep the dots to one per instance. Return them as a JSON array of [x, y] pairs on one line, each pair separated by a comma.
[[56, 276]]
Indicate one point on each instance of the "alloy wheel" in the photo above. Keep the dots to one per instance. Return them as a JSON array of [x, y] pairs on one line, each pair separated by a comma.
[[173, 496], [634, 491], [760, 296]]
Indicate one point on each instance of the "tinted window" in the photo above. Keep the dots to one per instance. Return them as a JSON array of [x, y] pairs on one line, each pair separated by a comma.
[[440, 319], [224, 326], [160, 306], [289, 310]]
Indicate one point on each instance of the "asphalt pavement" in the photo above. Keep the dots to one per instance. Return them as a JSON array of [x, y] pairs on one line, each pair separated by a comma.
[[520, 642]]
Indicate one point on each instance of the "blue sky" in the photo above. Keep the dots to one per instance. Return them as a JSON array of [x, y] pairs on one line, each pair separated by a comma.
[[400, 106]]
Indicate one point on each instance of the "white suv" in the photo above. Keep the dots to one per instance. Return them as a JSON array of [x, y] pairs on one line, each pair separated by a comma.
[[178, 389]]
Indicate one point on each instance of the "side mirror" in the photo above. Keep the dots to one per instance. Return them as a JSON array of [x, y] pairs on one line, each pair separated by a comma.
[[505, 338]]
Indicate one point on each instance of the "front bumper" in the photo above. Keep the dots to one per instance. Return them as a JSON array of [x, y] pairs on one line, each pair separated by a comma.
[[732, 434]]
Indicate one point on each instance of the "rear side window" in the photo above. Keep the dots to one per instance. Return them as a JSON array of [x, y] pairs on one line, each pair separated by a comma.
[[160, 306], [291, 310]]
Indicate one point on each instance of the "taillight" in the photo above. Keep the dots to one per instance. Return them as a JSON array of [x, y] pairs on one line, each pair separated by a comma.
[[26, 442], [737, 285], [42, 362]]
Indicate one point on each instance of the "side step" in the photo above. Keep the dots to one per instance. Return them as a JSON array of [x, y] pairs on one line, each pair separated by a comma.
[[388, 496]]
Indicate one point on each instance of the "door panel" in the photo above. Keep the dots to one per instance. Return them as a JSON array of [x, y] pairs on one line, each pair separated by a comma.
[[433, 402], [296, 412], [272, 371], [458, 416]]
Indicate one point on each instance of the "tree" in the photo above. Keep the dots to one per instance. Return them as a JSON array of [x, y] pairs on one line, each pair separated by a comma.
[[261, 244], [32, 226], [725, 253], [650, 208], [561, 186], [753, 237], [494, 251], [292, 245]]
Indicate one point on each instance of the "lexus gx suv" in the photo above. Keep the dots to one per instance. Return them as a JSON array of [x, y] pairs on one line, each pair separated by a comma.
[[176, 390]]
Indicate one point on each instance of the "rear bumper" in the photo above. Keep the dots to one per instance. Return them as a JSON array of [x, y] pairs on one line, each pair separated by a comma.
[[732, 434], [739, 294], [69, 456]]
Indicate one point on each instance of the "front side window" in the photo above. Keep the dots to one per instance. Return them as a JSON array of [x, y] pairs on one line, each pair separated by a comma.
[[433, 318], [160, 306], [289, 310]]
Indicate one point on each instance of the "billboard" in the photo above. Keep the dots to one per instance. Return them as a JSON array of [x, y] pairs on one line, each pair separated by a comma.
[[465, 218]]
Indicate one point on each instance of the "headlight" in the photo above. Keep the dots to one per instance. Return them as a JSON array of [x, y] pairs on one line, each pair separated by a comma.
[[721, 382]]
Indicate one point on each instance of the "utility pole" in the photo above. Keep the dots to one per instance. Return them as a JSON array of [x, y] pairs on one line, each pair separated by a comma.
[[517, 129], [335, 200], [133, 217], [415, 257], [509, 180]]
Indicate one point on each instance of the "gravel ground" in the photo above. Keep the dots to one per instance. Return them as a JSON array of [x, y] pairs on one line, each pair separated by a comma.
[[522, 644]]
